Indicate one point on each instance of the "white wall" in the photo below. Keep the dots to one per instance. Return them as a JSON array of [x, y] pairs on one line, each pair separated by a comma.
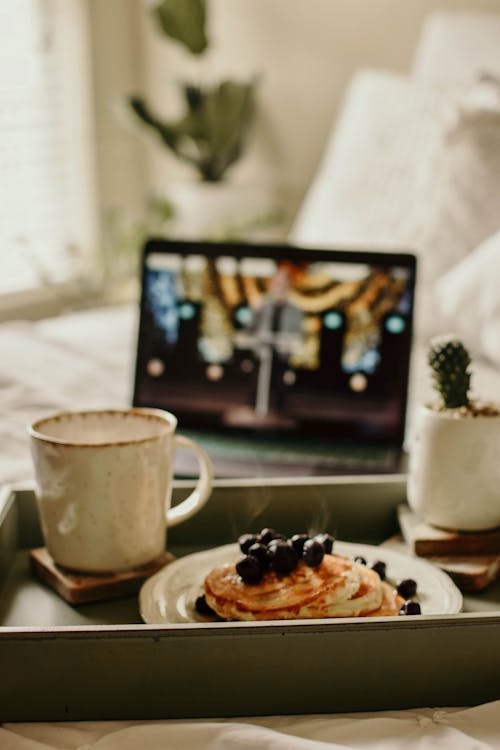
[[305, 51], [116, 71]]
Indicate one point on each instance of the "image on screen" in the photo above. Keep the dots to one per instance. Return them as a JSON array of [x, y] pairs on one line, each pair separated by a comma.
[[264, 343]]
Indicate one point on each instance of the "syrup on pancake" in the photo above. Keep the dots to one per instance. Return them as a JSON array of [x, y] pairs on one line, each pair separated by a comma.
[[390, 605], [338, 587], [280, 596]]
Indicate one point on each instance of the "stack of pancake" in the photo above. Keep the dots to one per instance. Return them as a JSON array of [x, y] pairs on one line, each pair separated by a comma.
[[338, 587]]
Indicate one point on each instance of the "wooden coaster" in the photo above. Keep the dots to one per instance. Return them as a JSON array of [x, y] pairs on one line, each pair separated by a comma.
[[468, 572], [81, 588], [426, 540]]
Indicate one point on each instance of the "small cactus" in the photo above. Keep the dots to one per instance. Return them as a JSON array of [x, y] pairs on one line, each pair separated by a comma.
[[449, 361]]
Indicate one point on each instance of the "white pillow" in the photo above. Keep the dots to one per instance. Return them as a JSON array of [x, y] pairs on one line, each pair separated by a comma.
[[455, 46], [409, 166], [371, 186], [464, 190], [468, 299]]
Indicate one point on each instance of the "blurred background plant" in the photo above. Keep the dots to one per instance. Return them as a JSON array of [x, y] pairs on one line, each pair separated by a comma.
[[212, 133], [124, 238]]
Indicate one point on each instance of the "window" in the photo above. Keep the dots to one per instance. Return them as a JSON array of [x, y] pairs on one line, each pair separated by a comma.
[[47, 184]]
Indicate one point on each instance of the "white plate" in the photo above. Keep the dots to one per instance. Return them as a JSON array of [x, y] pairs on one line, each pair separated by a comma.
[[169, 595]]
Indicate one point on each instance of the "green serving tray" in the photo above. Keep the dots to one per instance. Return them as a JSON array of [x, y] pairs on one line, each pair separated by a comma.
[[99, 661]]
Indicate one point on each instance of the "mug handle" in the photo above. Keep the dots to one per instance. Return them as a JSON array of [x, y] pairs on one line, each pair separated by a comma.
[[201, 492]]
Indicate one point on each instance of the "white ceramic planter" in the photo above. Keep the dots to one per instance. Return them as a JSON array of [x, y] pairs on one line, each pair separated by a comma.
[[206, 209], [454, 475]]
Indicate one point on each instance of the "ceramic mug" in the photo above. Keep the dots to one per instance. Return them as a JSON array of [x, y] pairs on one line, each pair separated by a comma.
[[104, 484]]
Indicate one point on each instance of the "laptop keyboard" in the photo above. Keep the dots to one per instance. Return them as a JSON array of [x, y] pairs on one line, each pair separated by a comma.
[[340, 457]]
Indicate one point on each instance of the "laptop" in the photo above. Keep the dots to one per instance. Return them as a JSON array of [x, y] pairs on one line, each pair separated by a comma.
[[281, 361]]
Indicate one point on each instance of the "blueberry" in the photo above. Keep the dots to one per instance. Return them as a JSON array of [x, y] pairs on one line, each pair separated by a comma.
[[407, 588], [245, 541], [379, 567], [327, 541], [202, 607], [313, 553], [260, 552], [249, 569], [282, 556], [267, 535], [297, 541], [279, 537], [360, 559], [410, 608]]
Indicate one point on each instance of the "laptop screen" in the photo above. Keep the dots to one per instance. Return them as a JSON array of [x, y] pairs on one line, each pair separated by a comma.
[[276, 339]]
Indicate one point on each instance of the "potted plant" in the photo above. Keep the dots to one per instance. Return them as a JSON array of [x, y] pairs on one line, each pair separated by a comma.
[[454, 476], [212, 133]]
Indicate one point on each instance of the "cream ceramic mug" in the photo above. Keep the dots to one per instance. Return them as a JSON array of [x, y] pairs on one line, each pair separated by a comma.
[[104, 484]]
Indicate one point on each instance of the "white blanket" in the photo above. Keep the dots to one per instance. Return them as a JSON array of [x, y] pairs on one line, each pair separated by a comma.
[[475, 728], [82, 360]]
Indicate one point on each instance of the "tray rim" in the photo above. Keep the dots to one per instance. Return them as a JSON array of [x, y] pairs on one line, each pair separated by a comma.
[[346, 624]]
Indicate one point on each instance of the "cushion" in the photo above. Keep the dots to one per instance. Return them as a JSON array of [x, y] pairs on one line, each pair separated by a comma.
[[371, 183], [372, 189], [468, 299], [455, 47], [462, 204], [409, 166]]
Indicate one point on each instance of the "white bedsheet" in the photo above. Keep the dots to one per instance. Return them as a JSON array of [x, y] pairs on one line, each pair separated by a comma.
[[82, 360], [424, 729]]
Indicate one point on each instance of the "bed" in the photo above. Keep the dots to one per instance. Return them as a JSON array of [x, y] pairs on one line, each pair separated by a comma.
[[413, 163]]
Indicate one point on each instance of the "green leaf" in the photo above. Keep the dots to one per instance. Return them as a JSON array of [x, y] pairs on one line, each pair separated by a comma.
[[183, 21], [168, 133], [213, 133]]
